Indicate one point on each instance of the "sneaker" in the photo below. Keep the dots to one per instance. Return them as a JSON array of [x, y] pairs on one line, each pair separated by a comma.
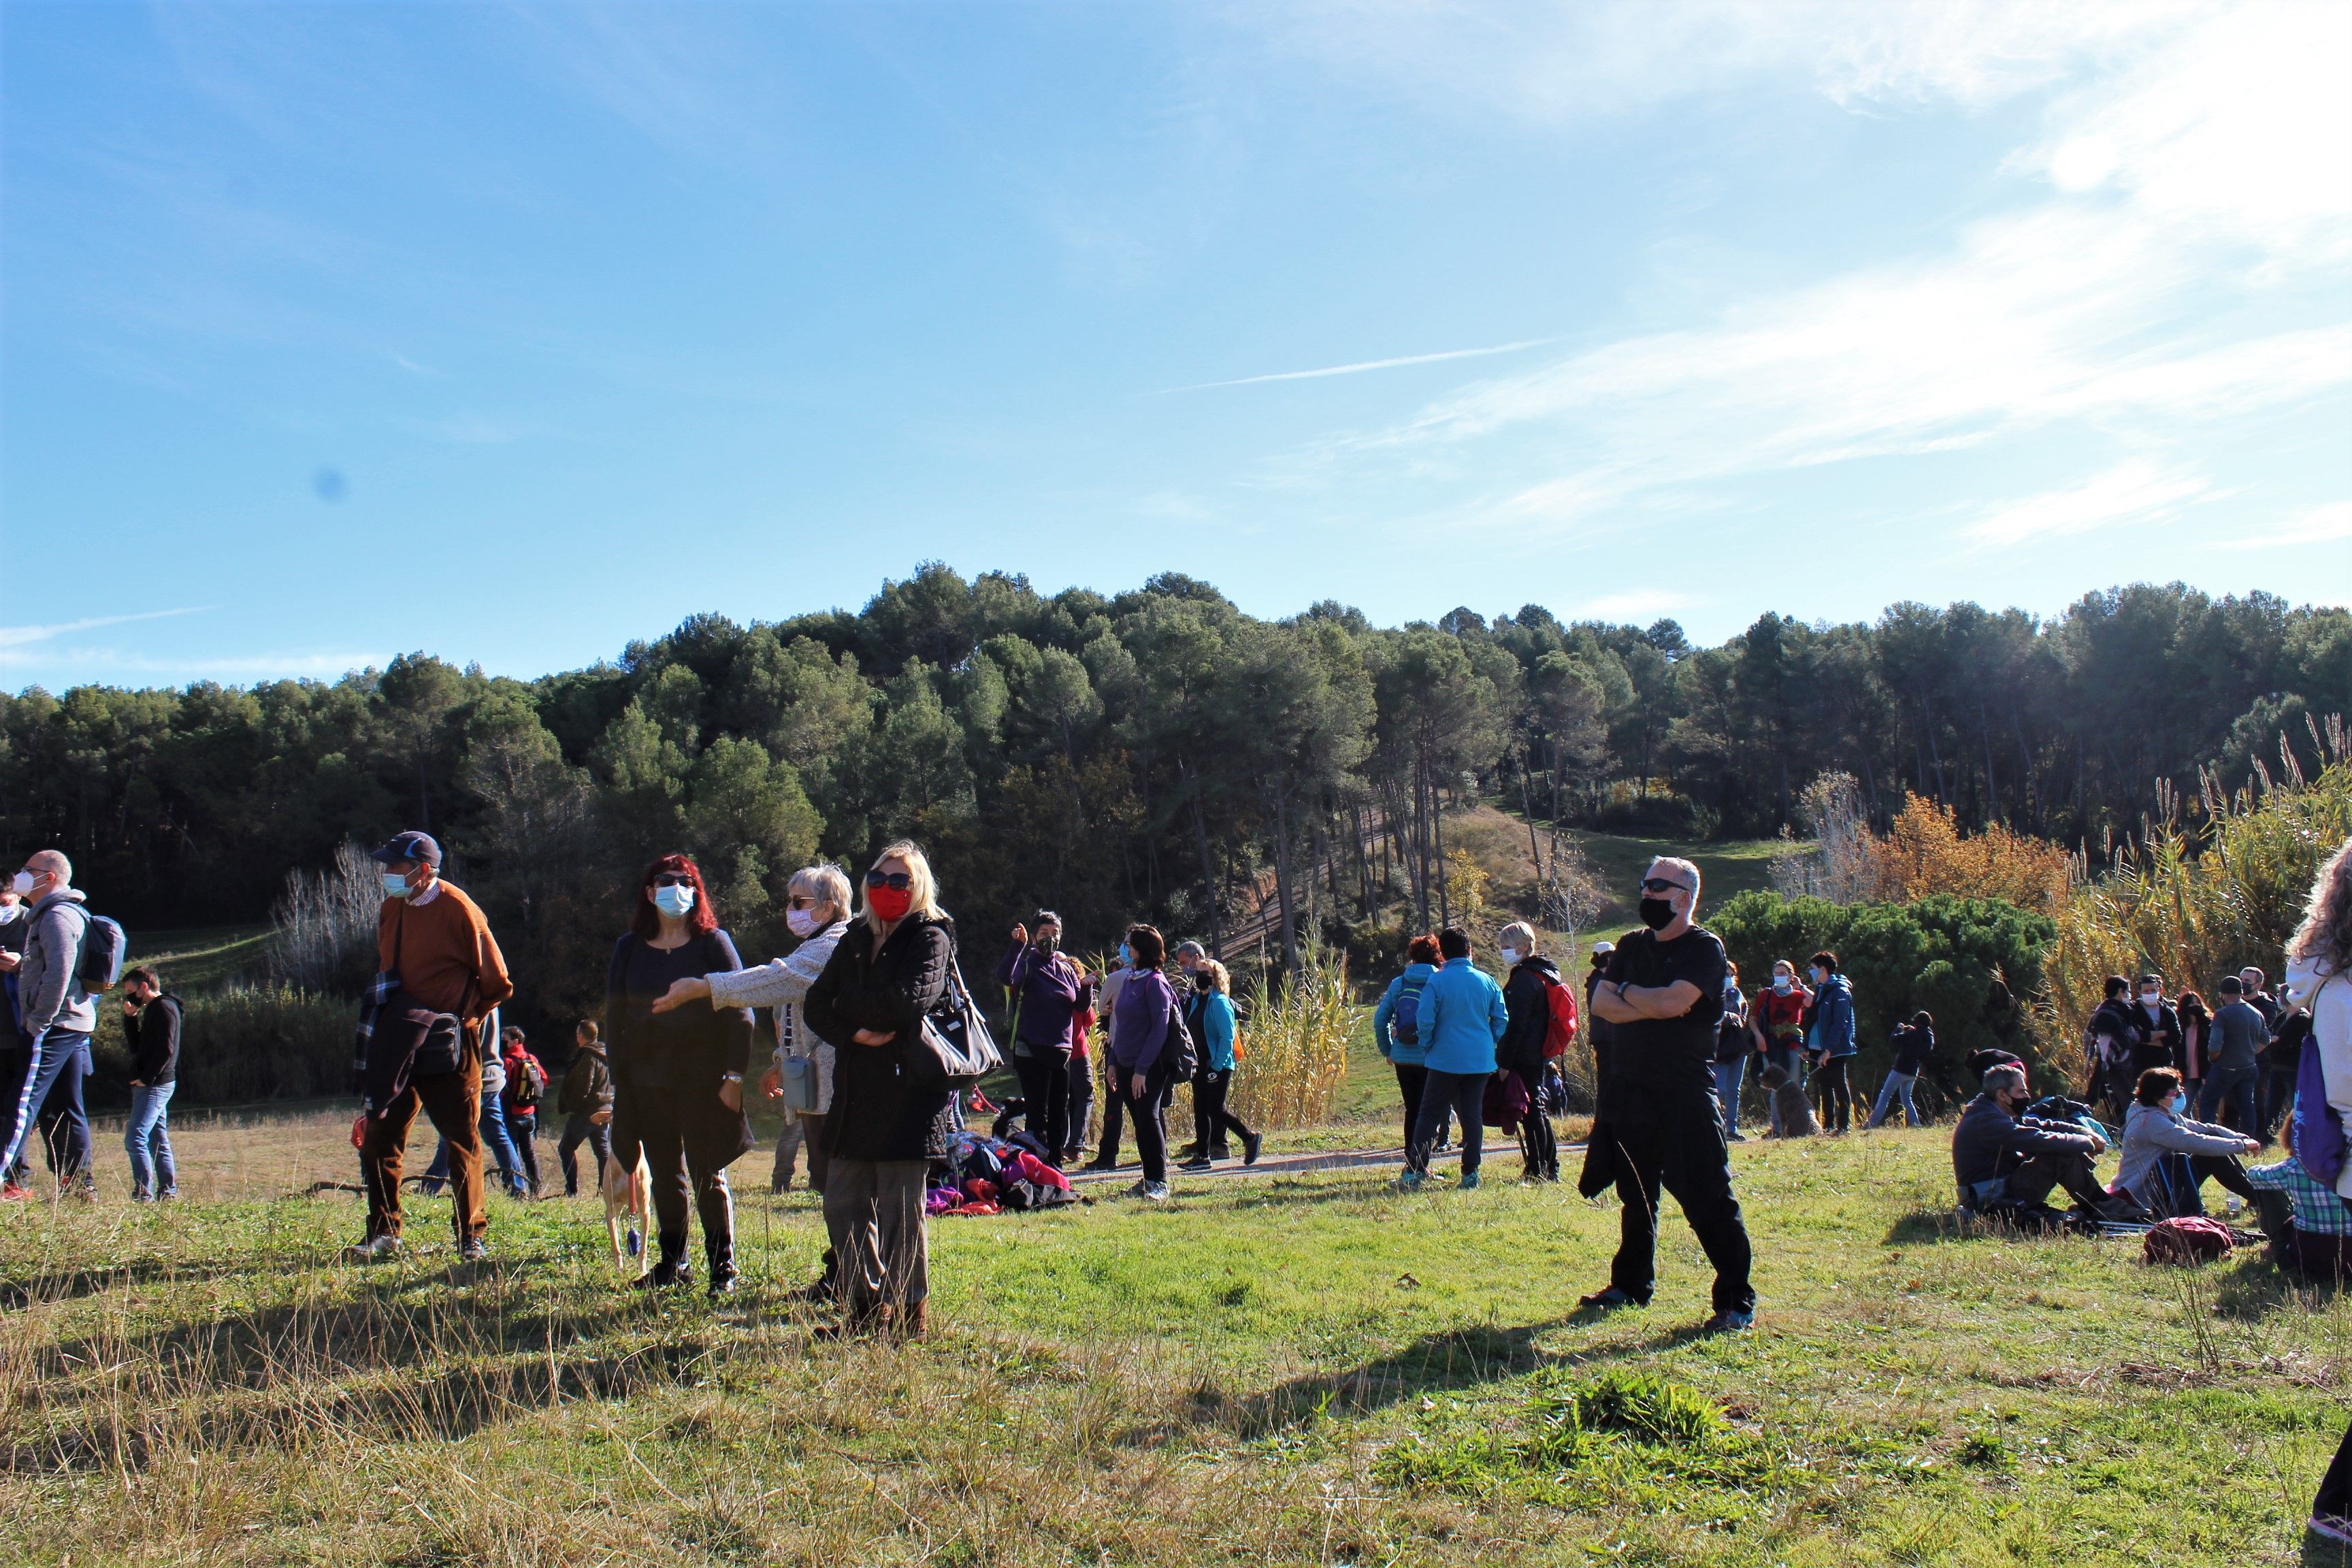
[[1252, 1145], [1155, 1191], [142, 1197], [1411, 1182], [2332, 1527], [1202, 1164], [84, 1192], [1731, 1321], [1609, 1298], [374, 1249], [168, 1195], [1099, 1163], [1469, 1180], [1735, 1138], [472, 1249]]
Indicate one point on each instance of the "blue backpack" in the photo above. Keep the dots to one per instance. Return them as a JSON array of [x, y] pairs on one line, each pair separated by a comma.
[[2318, 1129], [1404, 1019]]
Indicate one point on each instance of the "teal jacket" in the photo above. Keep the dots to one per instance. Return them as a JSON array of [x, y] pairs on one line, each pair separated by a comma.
[[1209, 1016], [1384, 1017], [1462, 1019]]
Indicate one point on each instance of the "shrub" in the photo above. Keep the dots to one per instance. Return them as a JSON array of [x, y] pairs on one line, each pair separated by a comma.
[[1972, 962], [1293, 1045], [1923, 852], [244, 1044], [1642, 1406]]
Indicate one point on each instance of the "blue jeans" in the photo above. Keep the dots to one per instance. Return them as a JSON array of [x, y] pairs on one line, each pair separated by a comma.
[[51, 1098], [2229, 1090], [1729, 1077], [497, 1148], [147, 1138], [1897, 1085]]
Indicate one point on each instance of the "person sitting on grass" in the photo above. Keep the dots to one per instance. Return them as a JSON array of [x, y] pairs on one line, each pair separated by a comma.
[[2309, 1228], [2154, 1129], [1792, 1113], [2007, 1162]]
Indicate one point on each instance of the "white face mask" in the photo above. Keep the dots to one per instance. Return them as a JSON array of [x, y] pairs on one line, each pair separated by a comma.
[[2150, 1000], [23, 883], [1511, 956], [804, 923], [673, 901]]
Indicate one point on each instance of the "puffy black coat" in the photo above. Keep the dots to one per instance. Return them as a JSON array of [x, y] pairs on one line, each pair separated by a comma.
[[878, 1113]]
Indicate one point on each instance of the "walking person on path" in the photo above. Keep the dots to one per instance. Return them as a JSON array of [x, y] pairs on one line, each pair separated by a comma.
[[586, 1101], [435, 949], [1913, 1042], [1527, 999], [58, 1015], [1209, 1014], [1401, 1001], [678, 1073], [1664, 993], [818, 905], [1830, 1036], [2319, 977], [888, 971], [151, 1029], [1142, 1069], [1462, 1019], [1046, 988]]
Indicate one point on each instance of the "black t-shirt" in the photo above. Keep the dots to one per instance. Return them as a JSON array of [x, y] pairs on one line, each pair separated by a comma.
[[1669, 1053]]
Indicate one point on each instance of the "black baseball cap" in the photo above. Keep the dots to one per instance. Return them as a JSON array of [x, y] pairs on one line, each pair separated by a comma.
[[411, 845]]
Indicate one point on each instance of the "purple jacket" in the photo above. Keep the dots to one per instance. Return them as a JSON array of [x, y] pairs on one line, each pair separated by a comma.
[[1138, 1022], [1045, 994]]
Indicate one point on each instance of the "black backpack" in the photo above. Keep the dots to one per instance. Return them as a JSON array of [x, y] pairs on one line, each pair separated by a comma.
[[1181, 1051]]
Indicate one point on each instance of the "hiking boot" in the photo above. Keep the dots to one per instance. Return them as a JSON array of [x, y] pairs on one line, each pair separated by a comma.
[[1469, 1181], [1731, 1321], [722, 1283], [472, 1249], [1411, 1182], [1607, 1299], [1252, 1145], [374, 1249]]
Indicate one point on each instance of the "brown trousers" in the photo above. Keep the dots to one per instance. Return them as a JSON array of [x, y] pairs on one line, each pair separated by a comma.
[[452, 1101]]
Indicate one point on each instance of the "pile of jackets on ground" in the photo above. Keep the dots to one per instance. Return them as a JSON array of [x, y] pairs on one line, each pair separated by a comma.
[[988, 1176]]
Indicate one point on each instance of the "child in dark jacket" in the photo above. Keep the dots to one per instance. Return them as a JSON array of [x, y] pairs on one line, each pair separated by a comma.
[[1791, 1111]]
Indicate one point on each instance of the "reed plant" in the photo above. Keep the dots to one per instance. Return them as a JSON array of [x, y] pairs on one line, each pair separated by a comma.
[[1292, 1043]]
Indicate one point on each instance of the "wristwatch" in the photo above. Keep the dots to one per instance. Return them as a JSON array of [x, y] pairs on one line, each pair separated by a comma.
[[730, 1078]]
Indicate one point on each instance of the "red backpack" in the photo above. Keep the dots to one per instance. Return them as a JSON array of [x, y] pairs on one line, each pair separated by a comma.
[[1560, 1000]]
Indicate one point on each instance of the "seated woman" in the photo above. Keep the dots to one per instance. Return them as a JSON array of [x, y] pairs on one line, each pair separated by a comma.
[[2310, 1228], [2153, 1129]]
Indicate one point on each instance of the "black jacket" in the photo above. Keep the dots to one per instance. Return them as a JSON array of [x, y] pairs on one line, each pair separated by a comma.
[[878, 1114], [684, 1053], [587, 1083], [153, 1037], [1521, 1050], [1990, 1142]]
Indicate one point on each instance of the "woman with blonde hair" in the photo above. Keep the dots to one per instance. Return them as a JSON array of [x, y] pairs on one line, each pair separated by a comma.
[[887, 973], [2319, 976], [1208, 1013]]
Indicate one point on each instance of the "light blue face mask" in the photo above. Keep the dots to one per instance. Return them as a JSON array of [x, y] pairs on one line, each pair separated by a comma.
[[1126, 955], [673, 901], [395, 886]]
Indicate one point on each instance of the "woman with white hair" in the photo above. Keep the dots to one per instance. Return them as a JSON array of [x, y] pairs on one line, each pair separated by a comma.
[[887, 973], [2319, 977], [817, 910]]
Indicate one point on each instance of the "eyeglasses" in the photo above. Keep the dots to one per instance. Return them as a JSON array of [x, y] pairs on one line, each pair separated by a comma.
[[1660, 885], [673, 879], [878, 878]]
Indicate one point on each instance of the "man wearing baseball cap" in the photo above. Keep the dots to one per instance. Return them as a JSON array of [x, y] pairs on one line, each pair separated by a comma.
[[436, 951]]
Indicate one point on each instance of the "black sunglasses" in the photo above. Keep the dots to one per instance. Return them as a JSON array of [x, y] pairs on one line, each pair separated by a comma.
[[1660, 885], [673, 879], [878, 878]]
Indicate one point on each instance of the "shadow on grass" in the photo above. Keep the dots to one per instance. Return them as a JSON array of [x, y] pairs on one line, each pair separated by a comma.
[[2258, 1289], [1924, 1226], [73, 1284]]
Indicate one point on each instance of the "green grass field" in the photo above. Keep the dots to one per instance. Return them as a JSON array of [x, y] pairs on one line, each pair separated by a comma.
[[1295, 1370]]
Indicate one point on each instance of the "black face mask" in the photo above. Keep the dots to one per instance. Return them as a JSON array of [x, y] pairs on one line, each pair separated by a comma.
[[1205, 983], [1047, 944], [1656, 914]]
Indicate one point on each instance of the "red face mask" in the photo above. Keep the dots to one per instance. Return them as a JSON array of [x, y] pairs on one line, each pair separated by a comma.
[[890, 903]]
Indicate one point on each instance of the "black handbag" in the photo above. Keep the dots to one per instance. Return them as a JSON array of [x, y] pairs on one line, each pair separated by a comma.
[[956, 1050]]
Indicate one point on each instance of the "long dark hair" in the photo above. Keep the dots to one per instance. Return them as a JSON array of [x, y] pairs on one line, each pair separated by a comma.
[[645, 921]]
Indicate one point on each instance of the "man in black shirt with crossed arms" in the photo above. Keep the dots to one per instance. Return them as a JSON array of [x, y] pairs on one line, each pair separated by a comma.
[[1663, 993]]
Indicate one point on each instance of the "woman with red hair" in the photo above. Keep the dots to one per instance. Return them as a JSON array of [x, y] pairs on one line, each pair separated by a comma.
[[678, 1077]]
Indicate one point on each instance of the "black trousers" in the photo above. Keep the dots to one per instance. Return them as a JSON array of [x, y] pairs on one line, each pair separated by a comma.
[[1836, 1095], [1672, 1141], [653, 1120], [2275, 1094], [1538, 1142], [2031, 1180], [2334, 1498], [1444, 1094], [1211, 1119], [579, 1129], [1045, 1086], [1150, 1111], [1081, 1073]]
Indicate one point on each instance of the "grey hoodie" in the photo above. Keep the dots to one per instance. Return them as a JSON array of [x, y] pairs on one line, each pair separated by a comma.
[[47, 987]]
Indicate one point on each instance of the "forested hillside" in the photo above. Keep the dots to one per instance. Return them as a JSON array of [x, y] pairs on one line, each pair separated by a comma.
[[1157, 754]]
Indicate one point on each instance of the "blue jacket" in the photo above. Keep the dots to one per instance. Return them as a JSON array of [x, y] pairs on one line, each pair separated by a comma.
[[1384, 1017], [1832, 1030], [1462, 1017], [1210, 1015]]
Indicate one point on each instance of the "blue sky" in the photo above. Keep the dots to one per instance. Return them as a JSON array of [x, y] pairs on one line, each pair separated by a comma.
[[516, 332]]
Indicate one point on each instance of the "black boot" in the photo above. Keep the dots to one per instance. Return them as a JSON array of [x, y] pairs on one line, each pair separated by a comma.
[[720, 1255], [671, 1268]]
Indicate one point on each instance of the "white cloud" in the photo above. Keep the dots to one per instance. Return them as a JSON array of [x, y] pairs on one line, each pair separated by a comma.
[[2136, 490], [13, 638], [2318, 525], [1361, 365]]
